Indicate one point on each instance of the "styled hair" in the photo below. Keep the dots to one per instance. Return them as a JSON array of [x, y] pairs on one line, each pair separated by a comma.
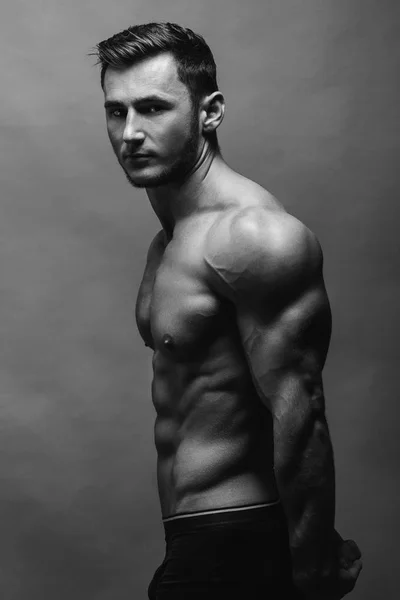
[[195, 62]]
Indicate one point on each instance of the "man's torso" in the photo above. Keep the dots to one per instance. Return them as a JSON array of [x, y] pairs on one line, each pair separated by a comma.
[[212, 433]]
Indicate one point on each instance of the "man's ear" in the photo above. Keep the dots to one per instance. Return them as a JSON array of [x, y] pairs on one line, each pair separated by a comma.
[[212, 112]]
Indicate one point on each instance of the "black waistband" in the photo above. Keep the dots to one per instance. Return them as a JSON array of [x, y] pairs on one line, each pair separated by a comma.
[[270, 513]]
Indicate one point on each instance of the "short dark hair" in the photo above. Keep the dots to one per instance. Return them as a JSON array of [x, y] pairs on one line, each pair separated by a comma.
[[195, 62]]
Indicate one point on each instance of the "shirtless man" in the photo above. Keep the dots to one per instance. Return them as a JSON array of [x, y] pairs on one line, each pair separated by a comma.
[[234, 307]]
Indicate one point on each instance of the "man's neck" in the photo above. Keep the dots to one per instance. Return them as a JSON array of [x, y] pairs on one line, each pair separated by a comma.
[[193, 194]]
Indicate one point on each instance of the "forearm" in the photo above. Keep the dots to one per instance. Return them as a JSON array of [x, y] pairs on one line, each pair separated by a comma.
[[305, 475]]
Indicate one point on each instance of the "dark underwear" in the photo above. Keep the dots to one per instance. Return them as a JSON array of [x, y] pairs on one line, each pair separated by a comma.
[[240, 552]]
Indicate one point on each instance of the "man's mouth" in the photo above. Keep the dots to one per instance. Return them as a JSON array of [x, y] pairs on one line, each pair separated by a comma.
[[137, 156]]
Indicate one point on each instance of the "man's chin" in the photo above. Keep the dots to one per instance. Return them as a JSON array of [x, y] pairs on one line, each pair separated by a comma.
[[150, 181], [139, 181]]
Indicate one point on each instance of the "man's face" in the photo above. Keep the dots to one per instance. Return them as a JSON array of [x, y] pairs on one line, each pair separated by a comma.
[[152, 126]]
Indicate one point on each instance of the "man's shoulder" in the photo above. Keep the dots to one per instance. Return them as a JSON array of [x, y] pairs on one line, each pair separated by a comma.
[[157, 244], [261, 246]]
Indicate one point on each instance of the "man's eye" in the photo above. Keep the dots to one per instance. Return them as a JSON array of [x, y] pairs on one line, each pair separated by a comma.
[[116, 113], [153, 109]]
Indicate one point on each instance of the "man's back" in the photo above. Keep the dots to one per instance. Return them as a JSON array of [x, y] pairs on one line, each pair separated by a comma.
[[213, 434]]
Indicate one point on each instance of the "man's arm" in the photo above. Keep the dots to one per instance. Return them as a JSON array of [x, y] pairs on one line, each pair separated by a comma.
[[270, 267]]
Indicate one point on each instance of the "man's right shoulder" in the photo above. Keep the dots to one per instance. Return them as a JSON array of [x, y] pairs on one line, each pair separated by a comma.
[[258, 249]]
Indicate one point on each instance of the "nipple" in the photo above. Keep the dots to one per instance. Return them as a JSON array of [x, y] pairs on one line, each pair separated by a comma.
[[168, 341]]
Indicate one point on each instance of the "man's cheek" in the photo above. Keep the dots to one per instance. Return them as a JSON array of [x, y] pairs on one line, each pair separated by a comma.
[[113, 140], [177, 137]]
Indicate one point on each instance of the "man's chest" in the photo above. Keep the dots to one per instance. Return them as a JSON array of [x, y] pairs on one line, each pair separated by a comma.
[[176, 310]]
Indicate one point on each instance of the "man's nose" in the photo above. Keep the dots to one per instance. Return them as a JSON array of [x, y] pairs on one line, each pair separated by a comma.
[[133, 133]]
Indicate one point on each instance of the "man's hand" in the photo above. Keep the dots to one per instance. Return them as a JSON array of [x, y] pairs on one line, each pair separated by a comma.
[[349, 566]]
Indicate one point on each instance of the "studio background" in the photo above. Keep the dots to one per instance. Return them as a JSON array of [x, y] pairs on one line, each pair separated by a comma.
[[312, 114]]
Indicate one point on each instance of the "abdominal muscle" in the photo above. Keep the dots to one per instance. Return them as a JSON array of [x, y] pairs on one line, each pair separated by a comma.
[[214, 442]]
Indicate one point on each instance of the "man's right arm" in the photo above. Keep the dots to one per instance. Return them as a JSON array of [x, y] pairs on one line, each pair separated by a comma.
[[274, 277], [288, 379]]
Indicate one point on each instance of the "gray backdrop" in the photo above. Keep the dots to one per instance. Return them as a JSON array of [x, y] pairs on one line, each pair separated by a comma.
[[312, 94]]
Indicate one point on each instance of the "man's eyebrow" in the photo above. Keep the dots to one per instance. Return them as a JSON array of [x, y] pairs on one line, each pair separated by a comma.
[[143, 100], [109, 103], [152, 98]]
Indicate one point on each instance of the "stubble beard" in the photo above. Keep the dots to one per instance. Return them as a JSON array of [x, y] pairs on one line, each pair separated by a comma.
[[179, 169]]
